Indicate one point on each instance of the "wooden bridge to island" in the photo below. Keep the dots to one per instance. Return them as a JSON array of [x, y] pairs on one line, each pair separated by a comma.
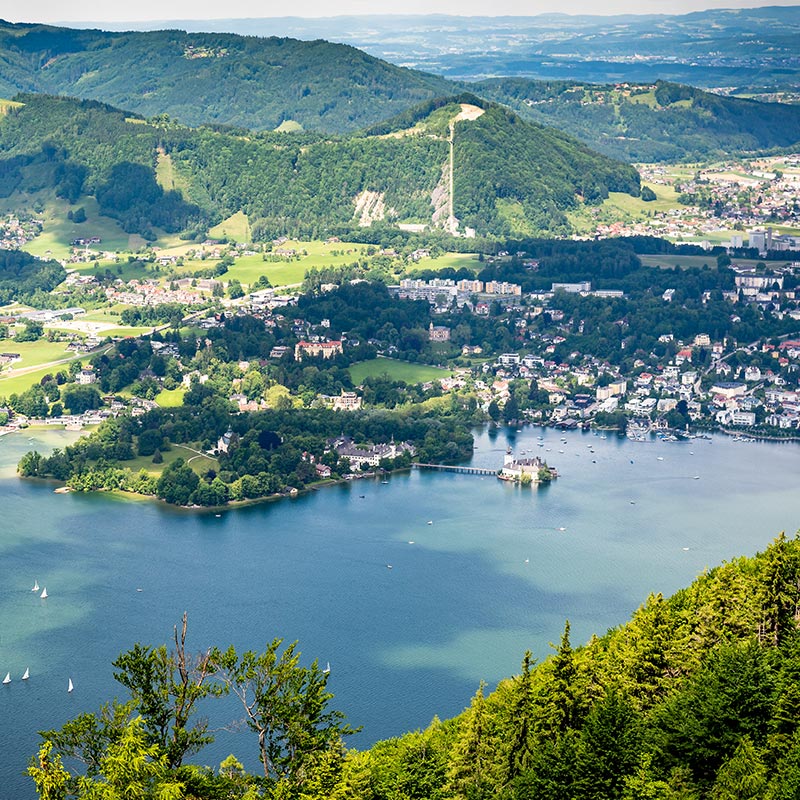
[[451, 468]]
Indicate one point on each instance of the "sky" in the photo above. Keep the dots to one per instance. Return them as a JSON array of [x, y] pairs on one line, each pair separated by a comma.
[[54, 11]]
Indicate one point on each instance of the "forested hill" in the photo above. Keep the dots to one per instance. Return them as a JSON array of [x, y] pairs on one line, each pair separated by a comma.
[[655, 122], [510, 176], [698, 696], [198, 78], [262, 83]]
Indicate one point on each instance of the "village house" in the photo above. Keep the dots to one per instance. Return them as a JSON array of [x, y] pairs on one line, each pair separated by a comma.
[[86, 376], [347, 401], [438, 333]]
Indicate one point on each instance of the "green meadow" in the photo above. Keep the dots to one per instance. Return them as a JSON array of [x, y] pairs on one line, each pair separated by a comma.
[[396, 370]]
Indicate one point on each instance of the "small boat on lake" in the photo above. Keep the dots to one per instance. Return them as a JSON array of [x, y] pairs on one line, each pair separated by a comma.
[[43, 595], [26, 674], [35, 586], [7, 678], [70, 687]]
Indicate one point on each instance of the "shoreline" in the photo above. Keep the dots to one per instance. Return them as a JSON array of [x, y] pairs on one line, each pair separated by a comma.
[[233, 505]]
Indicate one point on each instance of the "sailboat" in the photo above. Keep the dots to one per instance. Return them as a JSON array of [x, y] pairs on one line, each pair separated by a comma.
[[35, 586], [7, 678], [26, 674], [70, 687], [43, 595], [327, 668]]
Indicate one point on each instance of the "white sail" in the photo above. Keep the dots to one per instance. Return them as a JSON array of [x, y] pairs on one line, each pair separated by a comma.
[[26, 674], [70, 687], [43, 595], [35, 586], [7, 678], [327, 668]]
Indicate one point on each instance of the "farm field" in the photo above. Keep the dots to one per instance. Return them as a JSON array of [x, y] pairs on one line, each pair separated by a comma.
[[396, 370]]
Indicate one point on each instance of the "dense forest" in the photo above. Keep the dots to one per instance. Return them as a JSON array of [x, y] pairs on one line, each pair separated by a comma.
[[510, 176], [212, 78], [697, 696], [670, 122], [22, 275]]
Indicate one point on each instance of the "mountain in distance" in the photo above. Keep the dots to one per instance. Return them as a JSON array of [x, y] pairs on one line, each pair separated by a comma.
[[212, 78], [262, 84], [509, 176], [651, 122], [718, 47]]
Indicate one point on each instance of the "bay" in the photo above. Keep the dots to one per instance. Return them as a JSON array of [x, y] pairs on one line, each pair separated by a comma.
[[414, 590]]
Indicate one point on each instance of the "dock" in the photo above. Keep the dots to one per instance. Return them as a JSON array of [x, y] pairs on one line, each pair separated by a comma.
[[451, 468]]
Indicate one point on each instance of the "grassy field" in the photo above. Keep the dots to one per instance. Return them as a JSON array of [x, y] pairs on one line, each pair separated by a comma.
[[313, 255], [685, 262], [169, 398], [235, 229], [167, 176], [454, 260], [199, 463], [396, 370], [59, 232], [666, 199], [33, 354], [621, 207], [6, 105]]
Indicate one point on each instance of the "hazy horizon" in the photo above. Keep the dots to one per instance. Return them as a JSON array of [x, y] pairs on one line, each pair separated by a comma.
[[155, 11]]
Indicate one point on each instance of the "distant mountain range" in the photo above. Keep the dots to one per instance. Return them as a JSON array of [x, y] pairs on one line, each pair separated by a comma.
[[720, 47]]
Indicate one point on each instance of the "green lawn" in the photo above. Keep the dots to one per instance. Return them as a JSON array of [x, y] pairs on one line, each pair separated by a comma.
[[200, 464], [125, 332], [396, 370], [248, 269], [169, 398]]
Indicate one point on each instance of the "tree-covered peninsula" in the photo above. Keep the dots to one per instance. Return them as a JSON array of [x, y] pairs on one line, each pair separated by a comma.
[[695, 697]]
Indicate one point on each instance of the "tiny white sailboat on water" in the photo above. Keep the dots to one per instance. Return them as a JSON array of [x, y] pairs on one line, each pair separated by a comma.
[[43, 595], [26, 674], [327, 668], [70, 687], [35, 586], [7, 678]]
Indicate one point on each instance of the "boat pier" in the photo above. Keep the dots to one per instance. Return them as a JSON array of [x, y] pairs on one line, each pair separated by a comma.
[[451, 468]]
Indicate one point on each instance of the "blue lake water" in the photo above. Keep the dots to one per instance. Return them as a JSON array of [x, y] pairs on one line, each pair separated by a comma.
[[493, 574]]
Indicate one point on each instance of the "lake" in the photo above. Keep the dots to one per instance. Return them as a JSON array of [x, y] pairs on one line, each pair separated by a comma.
[[481, 570]]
